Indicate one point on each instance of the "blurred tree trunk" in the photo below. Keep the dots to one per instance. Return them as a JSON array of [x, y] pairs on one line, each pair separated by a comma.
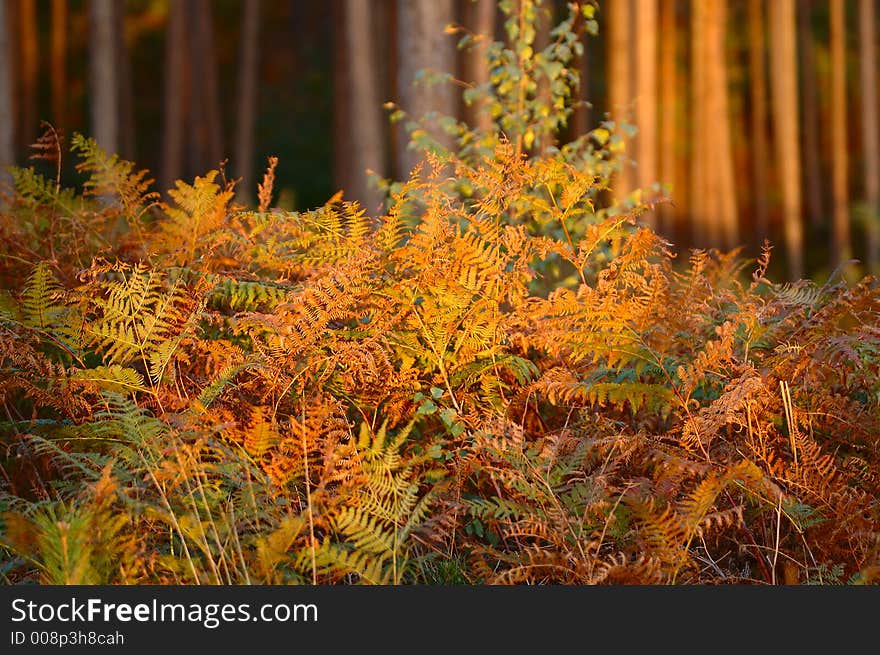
[[480, 19], [783, 81], [7, 118], [723, 218], [870, 136], [247, 94], [646, 97], [700, 148], [125, 91], [669, 134], [812, 127], [580, 115], [176, 95], [841, 247], [360, 127], [104, 75], [423, 44], [28, 42], [758, 117], [205, 121], [620, 65], [58, 60], [543, 25]]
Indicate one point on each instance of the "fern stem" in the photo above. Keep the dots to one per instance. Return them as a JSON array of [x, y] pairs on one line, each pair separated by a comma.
[[171, 515], [568, 238], [309, 497]]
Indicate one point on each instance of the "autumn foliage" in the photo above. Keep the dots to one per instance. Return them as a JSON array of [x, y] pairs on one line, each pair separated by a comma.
[[500, 379]]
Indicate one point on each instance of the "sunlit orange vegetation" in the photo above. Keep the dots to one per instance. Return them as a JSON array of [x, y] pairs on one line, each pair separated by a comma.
[[492, 382]]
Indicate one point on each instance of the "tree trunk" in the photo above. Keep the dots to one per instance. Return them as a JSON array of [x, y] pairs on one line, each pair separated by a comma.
[[125, 92], [812, 127], [360, 142], [669, 134], [480, 17], [28, 42], [422, 44], [841, 247], [206, 124], [58, 59], [718, 128], [700, 156], [619, 58], [543, 25], [870, 136], [646, 97], [7, 120], [783, 79], [104, 75], [758, 118], [247, 100], [176, 93], [580, 115]]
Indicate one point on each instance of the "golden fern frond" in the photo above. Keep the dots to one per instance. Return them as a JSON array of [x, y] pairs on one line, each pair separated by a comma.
[[201, 207], [261, 432], [273, 549], [264, 189], [110, 175], [662, 532]]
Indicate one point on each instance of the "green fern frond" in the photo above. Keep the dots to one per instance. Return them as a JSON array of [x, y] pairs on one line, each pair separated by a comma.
[[39, 303], [37, 190], [110, 378], [140, 321]]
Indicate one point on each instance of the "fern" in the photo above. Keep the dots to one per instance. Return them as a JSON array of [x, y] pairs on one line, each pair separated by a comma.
[[111, 176], [138, 321], [39, 303], [200, 209]]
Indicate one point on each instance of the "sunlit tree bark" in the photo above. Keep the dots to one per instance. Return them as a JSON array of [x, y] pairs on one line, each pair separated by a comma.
[[841, 247], [543, 25], [619, 66], [718, 129], [759, 149], [580, 115], [784, 93], [700, 189], [423, 45], [870, 136], [669, 132], [646, 97], [480, 17]]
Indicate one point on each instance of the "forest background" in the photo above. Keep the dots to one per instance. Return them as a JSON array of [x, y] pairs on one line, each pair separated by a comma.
[[760, 117]]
